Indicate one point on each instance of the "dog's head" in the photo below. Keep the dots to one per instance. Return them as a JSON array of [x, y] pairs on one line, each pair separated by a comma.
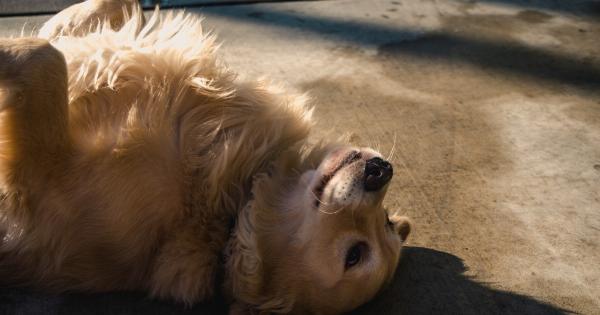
[[316, 240]]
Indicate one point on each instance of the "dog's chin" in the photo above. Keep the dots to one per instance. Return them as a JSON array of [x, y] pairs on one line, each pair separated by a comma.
[[339, 179]]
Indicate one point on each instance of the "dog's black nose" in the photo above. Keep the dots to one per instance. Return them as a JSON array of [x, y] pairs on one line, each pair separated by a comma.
[[377, 173]]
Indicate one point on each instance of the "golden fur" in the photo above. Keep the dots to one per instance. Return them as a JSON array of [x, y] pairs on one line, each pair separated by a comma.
[[132, 159]]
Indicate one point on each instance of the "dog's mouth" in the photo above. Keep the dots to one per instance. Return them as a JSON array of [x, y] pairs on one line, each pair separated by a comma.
[[325, 178]]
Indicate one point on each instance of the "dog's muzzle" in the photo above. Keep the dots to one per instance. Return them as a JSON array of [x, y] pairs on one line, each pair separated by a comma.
[[378, 172]]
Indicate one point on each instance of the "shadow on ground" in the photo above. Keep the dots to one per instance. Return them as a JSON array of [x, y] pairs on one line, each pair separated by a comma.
[[507, 57], [581, 8], [455, 42], [433, 282], [427, 282]]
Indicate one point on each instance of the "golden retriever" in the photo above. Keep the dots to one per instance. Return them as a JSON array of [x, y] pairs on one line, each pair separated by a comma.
[[132, 159]]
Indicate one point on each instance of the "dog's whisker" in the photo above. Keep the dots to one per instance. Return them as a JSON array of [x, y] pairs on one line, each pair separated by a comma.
[[377, 146], [317, 198], [391, 154], [332, 212]]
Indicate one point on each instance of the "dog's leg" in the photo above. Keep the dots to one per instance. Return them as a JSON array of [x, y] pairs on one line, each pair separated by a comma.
[[79, 19], [33, 109], [189, 262]]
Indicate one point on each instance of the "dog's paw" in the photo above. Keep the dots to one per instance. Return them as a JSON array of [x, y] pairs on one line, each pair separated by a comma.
[[84, 17]]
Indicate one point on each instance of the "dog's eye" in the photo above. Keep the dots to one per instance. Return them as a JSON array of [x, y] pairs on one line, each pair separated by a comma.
[[355, 254]]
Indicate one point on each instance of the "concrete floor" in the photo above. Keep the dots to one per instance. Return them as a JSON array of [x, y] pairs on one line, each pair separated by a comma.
[[492, 109]]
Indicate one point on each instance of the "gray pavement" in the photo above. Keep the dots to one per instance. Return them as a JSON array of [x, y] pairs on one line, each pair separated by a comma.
[[492, 111]]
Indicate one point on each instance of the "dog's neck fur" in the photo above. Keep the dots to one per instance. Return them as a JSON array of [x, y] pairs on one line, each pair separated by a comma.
[[247, 144], [275, 225]]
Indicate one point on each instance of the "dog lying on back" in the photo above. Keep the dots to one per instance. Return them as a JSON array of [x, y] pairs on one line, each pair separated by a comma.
[[132, 159]]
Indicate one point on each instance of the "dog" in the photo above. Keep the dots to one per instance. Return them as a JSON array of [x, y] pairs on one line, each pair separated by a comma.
[[132, 158]]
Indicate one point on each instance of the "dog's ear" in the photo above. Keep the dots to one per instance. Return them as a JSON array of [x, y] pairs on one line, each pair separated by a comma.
[[402, 225]]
